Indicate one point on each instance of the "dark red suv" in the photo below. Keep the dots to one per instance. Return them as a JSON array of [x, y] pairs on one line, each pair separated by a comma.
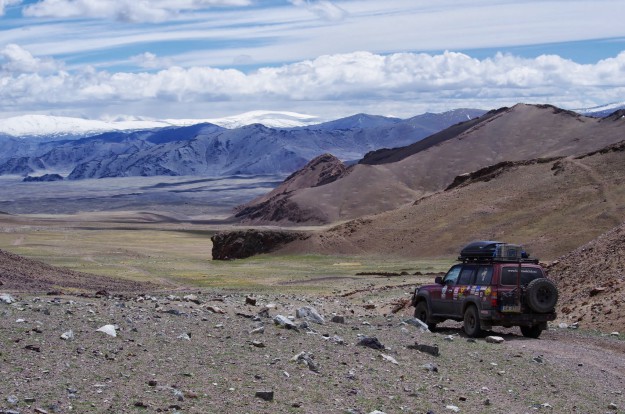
[[496, 284]]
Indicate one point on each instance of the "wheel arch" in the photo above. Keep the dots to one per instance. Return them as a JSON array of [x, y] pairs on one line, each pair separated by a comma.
[[471, 302]]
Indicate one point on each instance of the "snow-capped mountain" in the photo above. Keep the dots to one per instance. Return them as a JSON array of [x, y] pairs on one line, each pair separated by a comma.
[[211, 150], [601, 111], [66, 127]]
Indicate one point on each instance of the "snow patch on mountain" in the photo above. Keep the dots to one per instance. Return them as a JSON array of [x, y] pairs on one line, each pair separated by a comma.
[[63, 127], [602, 110]]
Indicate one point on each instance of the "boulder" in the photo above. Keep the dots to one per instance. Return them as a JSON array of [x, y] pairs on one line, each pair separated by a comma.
[[309, 313]]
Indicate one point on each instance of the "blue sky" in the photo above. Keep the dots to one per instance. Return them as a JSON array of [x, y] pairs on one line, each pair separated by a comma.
[[330, 58]]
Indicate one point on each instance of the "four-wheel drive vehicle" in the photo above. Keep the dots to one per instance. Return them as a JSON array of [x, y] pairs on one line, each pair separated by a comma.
[[496, 284]]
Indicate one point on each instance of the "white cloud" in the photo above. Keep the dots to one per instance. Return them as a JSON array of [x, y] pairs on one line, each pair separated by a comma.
[[149, 60], [356, 82], [15, 59], [122, 10], [322, 8]]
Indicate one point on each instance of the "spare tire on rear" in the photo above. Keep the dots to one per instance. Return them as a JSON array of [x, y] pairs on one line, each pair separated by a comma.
[[541, 295]]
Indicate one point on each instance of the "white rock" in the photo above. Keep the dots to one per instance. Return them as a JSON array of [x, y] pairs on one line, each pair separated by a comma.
[[310, 313], [184, 336], [494, 339], [67, 336], [377, 412], [418, 323], [389, 359], [110, 330], [6, 298], [563, 325], [453, 408], [284, 322]]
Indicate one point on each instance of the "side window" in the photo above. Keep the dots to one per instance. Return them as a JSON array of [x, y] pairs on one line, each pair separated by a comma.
[[466, 275], [484, 276], [509, 275], [452, 276]]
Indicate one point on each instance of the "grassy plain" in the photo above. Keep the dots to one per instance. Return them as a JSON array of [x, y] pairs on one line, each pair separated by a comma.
[[180, 256]]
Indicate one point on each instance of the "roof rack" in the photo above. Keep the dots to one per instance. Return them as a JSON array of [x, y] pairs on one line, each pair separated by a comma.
[[496, 260], [494, 251]]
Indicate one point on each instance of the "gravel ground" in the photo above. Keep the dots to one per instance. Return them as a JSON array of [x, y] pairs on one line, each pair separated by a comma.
[[215, 353]]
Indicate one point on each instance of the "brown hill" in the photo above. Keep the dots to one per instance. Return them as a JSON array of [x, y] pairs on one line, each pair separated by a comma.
[[523, 132], [276, 205], [20, 274], [551, 205], [591, 280]]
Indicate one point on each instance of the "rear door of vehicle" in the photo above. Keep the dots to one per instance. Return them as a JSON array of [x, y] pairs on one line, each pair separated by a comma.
[[508, 293]]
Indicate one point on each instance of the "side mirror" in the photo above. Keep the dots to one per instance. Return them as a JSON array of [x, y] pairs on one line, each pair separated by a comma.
[[438, 280]]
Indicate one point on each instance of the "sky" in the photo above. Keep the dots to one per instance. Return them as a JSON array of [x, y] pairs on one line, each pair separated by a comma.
[[111, 59]]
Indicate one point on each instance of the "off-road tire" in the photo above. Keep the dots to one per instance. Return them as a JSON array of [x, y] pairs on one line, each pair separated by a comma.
[[422, 312], [472, 325], [531, 331], [541, 295]]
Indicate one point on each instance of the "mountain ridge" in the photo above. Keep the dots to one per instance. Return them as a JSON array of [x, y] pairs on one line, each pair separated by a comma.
[[518, 133], [211, 150]]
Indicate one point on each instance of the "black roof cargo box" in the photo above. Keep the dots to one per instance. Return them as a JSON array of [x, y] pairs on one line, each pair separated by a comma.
[[492, 250]]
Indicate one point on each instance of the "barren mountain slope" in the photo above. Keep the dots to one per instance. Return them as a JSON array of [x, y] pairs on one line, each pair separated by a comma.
[[519, 133], [592, 280], [275, 206], [552, 206], [18, 273]]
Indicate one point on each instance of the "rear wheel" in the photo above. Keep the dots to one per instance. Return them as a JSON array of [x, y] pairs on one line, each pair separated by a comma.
[[472, 325], [531, 331], [422, 312], [542, 295]]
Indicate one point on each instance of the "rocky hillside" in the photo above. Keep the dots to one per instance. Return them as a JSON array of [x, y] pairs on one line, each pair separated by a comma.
[[391, 179], [276, 207], [551, 205], [591, 280]]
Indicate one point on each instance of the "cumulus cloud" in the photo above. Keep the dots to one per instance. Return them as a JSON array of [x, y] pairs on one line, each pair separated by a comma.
[[443, 80], [149, 60], [15, 59], [322, 8], [122, 10]]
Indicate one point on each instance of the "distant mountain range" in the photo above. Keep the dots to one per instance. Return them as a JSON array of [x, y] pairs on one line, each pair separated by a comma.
[[60, 127], [211, 150]]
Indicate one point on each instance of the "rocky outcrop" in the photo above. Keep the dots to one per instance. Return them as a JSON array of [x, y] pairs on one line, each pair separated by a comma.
[[242, 244], [43, 178], [492, 171]]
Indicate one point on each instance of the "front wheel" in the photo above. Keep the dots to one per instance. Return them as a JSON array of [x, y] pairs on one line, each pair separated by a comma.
[[422, 313], [531, 331], [472, 325]]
